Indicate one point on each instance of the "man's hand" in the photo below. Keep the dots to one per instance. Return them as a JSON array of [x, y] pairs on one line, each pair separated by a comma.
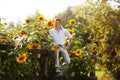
[[67, 47], [69, 43]]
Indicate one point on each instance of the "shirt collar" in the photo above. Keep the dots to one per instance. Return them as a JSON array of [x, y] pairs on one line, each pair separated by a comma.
[[61, 28]]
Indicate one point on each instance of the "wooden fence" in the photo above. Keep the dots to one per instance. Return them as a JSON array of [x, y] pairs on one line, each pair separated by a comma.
[[44, 68]]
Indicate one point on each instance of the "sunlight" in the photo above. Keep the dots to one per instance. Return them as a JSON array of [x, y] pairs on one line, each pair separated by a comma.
[[18, 10]]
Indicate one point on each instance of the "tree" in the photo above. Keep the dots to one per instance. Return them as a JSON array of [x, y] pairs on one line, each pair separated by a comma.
[[102, 23], [66, 15], [103, 26]]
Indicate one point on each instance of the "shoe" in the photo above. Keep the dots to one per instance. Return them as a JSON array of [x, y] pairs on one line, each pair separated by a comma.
[[57, 70], [61, 73]]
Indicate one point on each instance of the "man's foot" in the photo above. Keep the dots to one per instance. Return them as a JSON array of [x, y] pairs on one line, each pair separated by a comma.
[[57, 70], [61, 73]]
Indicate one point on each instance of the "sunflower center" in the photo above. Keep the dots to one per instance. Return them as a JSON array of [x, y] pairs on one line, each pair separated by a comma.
[[35, 26], [72, 22], [27, 21], [21, 58], [50, 24], [71, 32], [41, 18], [78, 52], [94, 48], [34, 46], [23, 32]]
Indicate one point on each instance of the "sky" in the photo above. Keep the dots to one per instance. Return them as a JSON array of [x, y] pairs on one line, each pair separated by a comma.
[[19, 10], [114, 4]]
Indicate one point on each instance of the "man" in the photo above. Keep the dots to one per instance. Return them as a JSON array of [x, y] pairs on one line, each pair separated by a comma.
[[59, 33]]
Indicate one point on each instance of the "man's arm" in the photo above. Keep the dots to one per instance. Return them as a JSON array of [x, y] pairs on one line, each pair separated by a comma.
[[69, 43]]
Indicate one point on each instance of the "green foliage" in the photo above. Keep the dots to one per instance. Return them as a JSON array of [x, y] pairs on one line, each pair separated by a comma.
[[95, 23], [18, 62], [79, 68], [102, 25], [101, 22]]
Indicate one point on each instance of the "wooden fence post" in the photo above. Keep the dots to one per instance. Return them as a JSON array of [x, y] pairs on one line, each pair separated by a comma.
[[92, 73], [43, 60]]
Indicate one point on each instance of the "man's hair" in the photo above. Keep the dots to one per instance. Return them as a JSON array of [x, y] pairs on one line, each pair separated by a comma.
[[58, 19]]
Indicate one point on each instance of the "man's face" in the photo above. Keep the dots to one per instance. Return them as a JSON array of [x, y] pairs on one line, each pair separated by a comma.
[[57, 24]]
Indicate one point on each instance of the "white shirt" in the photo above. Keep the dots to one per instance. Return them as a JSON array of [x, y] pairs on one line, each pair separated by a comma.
[[59, 37]]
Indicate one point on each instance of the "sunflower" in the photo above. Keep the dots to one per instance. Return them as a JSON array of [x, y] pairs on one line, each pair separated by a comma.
[[35, 26], [93, 48], [40, 18], [55, 48], [21, 58], [2, 38], [92, 61], [50, 24], [78, 52], [22, 33], [72, 22], [71, 32], [34, 46], [28, 21]]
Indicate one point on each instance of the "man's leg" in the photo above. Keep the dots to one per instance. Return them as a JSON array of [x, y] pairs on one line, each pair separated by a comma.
[[56, 55], [66, 58]]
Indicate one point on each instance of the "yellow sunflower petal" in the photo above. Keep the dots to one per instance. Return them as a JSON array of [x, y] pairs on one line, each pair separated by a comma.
[[40, 18], [22, 33], [71, 32], [50, 24], [21, 58], [28, 21], [78, 52], [93, 48], [72, 22]]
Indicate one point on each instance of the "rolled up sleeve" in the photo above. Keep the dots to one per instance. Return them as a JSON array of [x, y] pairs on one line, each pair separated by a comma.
[[68, 34]]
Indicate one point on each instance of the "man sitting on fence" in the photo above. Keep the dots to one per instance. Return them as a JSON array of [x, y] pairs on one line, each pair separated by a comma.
[[59, 33]]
